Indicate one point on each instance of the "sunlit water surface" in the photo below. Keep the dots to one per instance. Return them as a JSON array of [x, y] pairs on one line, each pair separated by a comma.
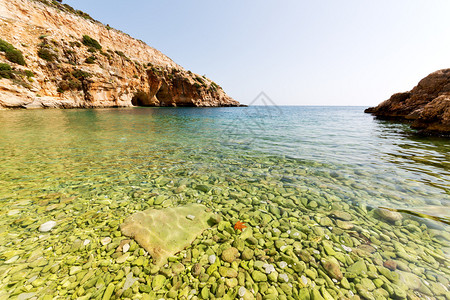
[[112, 153]]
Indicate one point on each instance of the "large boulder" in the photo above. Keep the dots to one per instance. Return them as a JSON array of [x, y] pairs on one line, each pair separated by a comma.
[[164, 232]]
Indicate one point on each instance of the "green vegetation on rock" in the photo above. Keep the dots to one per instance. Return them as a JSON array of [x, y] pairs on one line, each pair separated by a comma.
[[11, 53], [46, 54], [67, 8], [90, 42], [5, 71], [73, 80], [90, 60]]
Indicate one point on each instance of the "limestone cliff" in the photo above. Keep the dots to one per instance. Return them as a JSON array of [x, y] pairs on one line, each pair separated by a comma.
[[71, 60], [427, 104]]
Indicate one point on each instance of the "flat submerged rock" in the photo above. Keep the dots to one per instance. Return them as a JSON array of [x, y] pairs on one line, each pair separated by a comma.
[[164, 232]]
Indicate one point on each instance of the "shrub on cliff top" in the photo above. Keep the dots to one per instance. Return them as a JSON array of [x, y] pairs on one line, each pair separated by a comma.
[[90, 42], [67, 8], [12, 54]]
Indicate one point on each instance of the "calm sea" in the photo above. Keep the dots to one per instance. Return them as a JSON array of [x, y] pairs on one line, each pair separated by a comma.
[[291, 166], [339, 150]]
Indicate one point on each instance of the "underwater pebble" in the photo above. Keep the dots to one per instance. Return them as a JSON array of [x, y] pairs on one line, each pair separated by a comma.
[[190, 217], [388, 215], [230, 254], [268, 268], [242, 291], [47, 226], [125, 248], [348, 249], [212, 259], [390, 264], [13, 212], [105, 241], [25, 296], [284, 277], [12, 260]]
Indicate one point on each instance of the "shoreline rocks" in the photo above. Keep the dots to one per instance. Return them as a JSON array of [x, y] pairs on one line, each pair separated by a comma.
[[427, 105]]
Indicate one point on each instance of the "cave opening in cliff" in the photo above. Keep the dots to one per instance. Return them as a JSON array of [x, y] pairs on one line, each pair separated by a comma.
[[141, 98]]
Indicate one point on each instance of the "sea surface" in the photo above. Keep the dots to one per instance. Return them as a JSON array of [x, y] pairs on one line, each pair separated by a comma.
[[82, 160]]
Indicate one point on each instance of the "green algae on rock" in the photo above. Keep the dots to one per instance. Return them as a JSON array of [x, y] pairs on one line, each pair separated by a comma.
[[164, 232]]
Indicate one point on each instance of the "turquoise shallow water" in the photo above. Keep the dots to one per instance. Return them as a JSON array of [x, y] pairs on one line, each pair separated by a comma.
[[65, 157], [364, 160]]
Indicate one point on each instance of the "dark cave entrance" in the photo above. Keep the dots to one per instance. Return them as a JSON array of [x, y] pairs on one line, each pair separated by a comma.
[[141, 98]]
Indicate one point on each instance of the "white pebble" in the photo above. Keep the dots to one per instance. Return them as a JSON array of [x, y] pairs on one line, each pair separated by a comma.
[[190, 217], [316, 251], [304, 280], [105, 241], [284, 277], [283, 264], [12, 260], [212, 259], [288, 232], [13, 212], [282, 248], [125, 248], [348, 249], [86, 242], [327, 237], [296, 234], [268, 268], [242, 291], [47, 226]]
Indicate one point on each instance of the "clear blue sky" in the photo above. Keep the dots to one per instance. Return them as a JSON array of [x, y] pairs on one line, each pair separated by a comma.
[[353, 52]]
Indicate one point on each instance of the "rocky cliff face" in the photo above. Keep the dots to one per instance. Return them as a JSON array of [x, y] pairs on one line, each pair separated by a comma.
[[427, 104], [73, 61]]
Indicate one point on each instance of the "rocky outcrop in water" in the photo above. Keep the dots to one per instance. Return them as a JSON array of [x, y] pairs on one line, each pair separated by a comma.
[[427, 104], [54, 56]]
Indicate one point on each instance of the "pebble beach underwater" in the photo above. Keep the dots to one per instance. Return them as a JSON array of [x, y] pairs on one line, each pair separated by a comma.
[[241, 203]]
